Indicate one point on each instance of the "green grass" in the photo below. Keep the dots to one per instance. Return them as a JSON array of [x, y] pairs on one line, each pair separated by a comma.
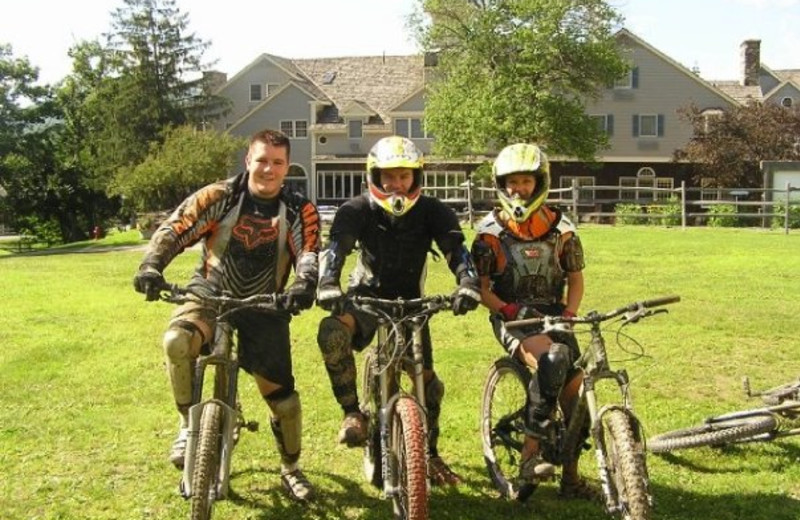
[[86, 419]]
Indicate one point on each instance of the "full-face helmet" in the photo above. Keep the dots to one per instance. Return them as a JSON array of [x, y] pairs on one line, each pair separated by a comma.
[[521, 158], [394, 152]]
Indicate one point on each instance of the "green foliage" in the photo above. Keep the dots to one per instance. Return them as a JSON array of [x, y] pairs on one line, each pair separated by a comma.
[[186, 161], [629, 214], [723, 215], [794, 215], [729, 146], [667, 213], [47, 232], [518, 70]]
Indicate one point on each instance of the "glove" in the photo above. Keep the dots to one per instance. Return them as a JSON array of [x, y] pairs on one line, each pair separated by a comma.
[[329, 295], [510, 311], [299, 296], [568, 314], [149, 281], [467, 296]]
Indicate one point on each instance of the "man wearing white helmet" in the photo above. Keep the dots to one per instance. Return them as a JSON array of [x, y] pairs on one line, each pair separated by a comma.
[[395, 226], [530, 258]]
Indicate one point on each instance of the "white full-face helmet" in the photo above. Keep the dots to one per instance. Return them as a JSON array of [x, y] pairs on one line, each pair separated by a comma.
[[394, 152], [521, 158]]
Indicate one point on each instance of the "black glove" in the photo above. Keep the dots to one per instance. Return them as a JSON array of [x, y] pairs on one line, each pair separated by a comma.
[[299, 296], [149, 281], [467, 296], [329, 295]]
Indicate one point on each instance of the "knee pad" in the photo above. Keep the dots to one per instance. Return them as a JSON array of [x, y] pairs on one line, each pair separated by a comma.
[[178, 343], [287, 425], [333, 338], [552, 370]]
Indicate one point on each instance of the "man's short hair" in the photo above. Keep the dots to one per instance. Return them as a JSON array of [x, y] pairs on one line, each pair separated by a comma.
[[274, 138]]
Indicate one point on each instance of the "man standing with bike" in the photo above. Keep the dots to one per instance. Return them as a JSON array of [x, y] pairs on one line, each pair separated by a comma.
[[253, 232], [530, 261], [395, 226]]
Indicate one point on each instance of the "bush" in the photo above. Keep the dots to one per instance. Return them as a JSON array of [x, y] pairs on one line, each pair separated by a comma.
[[46, 232], [794, 215], [668, 213], [625, 214], [723, 215]]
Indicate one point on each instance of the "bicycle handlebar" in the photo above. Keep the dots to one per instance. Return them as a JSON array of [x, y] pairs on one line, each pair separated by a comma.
[[635, 311], [173, 293], [427, 305]]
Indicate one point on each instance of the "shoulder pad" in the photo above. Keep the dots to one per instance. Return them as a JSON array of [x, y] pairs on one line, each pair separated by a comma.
[[489, 226]]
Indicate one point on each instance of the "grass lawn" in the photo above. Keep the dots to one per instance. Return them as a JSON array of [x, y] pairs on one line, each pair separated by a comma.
[[86, 419]]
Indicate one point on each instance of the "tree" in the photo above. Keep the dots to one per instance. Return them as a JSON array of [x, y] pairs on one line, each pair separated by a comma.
[[518, 70], [728, 146], [186, 161]]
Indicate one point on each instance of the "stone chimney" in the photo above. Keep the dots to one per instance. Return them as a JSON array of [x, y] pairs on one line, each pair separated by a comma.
[[751, 62], [213, 80]]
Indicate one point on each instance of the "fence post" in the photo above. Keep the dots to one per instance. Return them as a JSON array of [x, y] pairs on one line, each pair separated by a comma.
[[469, 202], [683, 205], [786, 213], [575, 195]]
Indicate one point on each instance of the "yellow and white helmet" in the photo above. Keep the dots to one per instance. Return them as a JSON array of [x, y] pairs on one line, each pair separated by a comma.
[[521, 158], [394, 152]]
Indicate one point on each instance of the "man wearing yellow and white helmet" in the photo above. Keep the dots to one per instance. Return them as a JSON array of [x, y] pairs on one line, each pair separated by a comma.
[[530, 259], [395, 227]]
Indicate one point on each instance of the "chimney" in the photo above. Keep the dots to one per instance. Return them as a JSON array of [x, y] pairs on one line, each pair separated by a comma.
[[213, 80], [751, 62]]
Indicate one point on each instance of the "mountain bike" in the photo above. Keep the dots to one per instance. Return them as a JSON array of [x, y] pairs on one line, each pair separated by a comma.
[[613, 427], [752, 425], [396, 451], [216, 418]]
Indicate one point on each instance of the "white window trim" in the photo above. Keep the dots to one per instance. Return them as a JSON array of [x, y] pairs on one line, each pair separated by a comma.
[[349, 128], [655, 125], [625, 82], [260, 93], [270, 89], [292, 123]]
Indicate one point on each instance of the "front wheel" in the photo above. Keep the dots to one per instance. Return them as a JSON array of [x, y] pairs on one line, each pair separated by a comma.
[[716, 432], [206, 467], [503, 423], [370, 407], [625, 460], [410, 458]]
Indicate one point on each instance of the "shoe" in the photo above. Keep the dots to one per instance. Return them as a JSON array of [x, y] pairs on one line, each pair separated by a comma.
[[579, 489], [178, 453], [441, 474], [297, 485], [532, 471], [353, 432]]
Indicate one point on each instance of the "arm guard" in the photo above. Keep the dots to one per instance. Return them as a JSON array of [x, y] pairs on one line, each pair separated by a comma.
[[332, 260]]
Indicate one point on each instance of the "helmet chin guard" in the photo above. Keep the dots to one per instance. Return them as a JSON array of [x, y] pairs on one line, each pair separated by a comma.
[[525, 159]]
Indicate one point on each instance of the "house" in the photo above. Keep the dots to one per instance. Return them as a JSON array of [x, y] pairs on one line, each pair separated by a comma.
[[335, 109]]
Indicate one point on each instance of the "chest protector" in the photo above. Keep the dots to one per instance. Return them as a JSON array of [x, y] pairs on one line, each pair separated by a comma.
[[533, 273]]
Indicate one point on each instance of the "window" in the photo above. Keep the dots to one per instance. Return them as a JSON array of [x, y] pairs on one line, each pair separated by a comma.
[[604, 122], [787, 102], [355, 129], [297, 129], [339, 184], [412, 127], [645, 178], [271, 89], [583, 195], [445, 185], [255, 92], [710, 117], [628, 81], [648, 125]]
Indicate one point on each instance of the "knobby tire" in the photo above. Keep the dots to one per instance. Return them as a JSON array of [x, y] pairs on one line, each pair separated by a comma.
[[625, 459], [206, 467], [410, 454], [504, 397], [713, 433]]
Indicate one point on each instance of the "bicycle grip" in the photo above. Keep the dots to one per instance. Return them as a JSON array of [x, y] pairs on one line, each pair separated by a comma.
[[664, 300]]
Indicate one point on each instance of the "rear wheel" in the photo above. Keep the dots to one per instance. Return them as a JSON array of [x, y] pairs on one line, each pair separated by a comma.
[[502, 422], [206, 467], [720, 431], [625, 460], [410, 457]]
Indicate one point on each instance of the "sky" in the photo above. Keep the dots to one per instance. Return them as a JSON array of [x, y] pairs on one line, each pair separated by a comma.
[[705, 34]]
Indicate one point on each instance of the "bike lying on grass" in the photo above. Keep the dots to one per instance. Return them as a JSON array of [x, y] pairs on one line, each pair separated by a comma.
[[215, 419], [614, 428], [752, 425], [396, 452]]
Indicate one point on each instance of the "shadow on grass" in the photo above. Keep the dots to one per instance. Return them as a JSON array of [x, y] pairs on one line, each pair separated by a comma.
[[688, 459], [682, 504], [79, 248]]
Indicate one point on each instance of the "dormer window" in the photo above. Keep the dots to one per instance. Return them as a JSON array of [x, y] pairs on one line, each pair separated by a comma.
[[629, 80], [355, 129]]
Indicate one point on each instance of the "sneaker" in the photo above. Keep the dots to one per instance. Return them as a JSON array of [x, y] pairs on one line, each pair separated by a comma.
[[531, 472], [354, 430], [441, 474], [297, 485], [178, 453], [579, 489]]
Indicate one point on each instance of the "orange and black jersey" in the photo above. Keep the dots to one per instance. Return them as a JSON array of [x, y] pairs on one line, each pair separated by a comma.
[[249, 245]]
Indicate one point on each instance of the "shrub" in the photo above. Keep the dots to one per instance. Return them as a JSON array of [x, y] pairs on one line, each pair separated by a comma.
[[723, 215], [668, 213], [778, 222], [626, 214]]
